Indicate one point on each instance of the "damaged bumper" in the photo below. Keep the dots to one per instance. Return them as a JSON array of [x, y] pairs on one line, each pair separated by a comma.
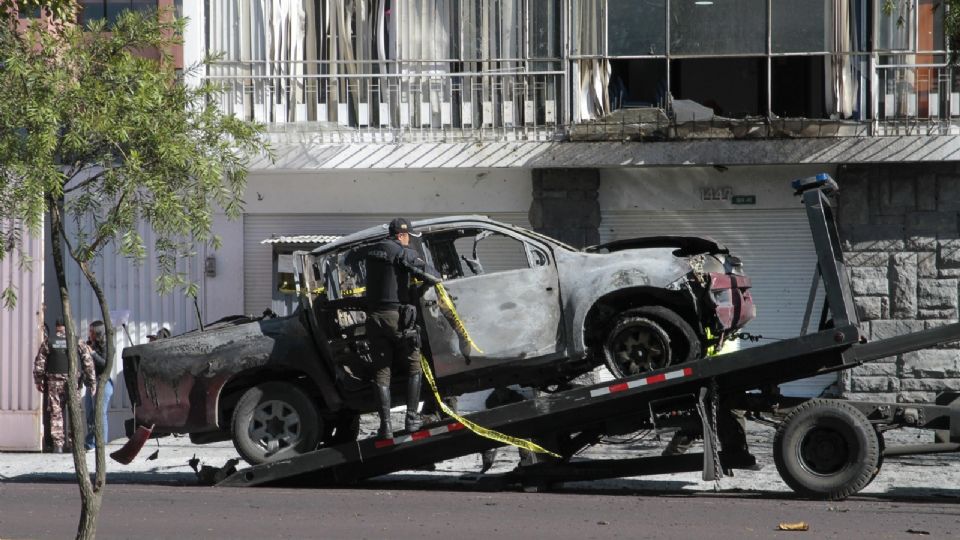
[[732, 302]]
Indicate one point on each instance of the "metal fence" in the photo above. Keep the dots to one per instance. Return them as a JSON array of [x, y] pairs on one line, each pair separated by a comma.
[[448, 100], [420, 102], [916, 99]]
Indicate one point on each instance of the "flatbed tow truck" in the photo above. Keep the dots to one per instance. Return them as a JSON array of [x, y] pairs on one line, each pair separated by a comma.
[[824, 448]]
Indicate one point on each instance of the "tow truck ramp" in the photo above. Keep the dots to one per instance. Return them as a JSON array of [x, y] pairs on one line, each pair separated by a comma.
[[823, 448]]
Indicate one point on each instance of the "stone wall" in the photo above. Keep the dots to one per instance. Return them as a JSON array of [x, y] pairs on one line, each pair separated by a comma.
[[899, 227], [565, 205]]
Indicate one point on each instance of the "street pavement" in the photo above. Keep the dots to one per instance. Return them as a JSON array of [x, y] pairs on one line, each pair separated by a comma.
[[934, 475], [161, 498]]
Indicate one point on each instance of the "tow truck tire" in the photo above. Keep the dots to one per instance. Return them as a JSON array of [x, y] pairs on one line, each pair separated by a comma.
[[655, 336], [826, 449], [275, 420]]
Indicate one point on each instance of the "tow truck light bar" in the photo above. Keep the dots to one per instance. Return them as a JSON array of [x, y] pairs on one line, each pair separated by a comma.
[[821, 180]]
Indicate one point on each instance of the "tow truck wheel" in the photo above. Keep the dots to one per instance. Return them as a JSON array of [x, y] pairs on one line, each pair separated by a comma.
[[275, 420], [648, 338], [826, 449]]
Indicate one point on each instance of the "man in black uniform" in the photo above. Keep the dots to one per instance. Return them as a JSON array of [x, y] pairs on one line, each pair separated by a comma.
[[392, 319]]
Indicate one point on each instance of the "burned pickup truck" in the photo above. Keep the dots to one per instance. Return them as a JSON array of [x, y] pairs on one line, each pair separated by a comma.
[[541, 312]]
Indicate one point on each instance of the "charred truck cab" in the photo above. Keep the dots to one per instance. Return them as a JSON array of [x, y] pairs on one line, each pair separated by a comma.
[[540, 311]]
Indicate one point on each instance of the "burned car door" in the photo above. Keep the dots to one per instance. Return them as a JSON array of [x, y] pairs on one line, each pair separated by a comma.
[[506, 292]]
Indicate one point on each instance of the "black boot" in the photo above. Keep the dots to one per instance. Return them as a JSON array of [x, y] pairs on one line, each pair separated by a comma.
[[412, 420], [383, 408]]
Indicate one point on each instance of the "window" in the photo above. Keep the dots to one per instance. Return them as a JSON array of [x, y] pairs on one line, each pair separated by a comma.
[[718, 27], [111, 9], [636, 28], [31, 13], [638, 83], [732, 87], [801, 26], [461, 253]]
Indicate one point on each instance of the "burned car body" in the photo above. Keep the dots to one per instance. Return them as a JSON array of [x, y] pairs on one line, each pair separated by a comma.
[[539, 312]]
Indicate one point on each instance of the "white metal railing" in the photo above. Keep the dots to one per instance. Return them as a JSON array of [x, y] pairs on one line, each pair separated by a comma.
[[424, 101], [916, 93], [428, 101]]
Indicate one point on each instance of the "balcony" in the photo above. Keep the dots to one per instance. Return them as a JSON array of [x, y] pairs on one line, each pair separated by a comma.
[[355, 102], [437, 101], [917, 100]]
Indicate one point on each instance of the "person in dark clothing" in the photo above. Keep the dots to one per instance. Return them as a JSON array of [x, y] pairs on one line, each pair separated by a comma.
[[97, 347], [391, 325]]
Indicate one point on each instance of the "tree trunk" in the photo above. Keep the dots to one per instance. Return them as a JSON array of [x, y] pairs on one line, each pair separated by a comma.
[[100, 402], [90, 498]]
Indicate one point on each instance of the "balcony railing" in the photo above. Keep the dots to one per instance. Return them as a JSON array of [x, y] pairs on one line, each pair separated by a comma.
[[346, 102], [502, 100], [917, 99]]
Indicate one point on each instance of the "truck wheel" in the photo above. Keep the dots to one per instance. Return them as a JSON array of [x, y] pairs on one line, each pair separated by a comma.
[[275, 420], [648, 338], [826, 449]]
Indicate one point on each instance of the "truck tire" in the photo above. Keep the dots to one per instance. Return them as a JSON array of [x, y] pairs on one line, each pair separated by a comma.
[[275, 420], [648, 338], [826, 449]]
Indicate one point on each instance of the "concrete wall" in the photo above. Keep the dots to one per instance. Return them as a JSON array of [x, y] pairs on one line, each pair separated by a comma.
[[899, 225]]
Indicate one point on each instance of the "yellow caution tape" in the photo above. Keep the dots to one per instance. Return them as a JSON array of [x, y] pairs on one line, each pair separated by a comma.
[[712, 350], [353, 292], [448, 309], [479, 430]]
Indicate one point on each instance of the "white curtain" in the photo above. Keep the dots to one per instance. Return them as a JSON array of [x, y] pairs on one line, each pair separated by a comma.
[[593, 74], [842, 77], [264, 39], [289, 43]]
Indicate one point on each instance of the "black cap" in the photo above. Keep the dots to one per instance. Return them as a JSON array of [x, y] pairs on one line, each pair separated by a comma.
[[400, 225], [59, 323]]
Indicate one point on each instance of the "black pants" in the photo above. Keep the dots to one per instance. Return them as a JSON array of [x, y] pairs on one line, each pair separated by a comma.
[[388, 344]]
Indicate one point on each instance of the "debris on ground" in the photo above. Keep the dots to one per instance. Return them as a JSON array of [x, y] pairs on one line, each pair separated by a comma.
[[207, 475], [798, 526]]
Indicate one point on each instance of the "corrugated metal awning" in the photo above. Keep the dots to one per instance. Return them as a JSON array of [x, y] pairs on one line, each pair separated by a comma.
[[305, 154], [317, 239]]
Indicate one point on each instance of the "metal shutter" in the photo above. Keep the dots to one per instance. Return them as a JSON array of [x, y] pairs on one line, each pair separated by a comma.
[[777, 253], [258, 258]]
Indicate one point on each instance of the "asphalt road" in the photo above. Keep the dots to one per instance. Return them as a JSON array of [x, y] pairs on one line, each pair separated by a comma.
[[419, 510]]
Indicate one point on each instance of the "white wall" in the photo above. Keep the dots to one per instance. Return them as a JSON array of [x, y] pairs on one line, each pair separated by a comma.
[[193, 37], [349, 191], [223, 293], [20, 335]]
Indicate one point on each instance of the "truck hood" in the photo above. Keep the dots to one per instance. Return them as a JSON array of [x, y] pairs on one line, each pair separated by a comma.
[[686, 245]]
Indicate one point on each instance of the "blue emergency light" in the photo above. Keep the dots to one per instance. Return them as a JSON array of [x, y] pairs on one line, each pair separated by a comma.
[[820, 181]]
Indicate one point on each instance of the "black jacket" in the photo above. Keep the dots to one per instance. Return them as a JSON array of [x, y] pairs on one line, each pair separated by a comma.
[[389, 268]]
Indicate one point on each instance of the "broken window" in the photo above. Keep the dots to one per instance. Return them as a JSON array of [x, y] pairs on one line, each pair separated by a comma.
[[470, 252], [798, 87], [638, 82], [732, 87]]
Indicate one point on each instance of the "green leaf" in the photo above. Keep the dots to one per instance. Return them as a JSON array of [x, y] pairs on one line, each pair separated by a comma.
[[9, 297]]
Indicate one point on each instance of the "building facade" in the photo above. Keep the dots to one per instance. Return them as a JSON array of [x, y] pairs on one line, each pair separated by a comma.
[[593, 120]]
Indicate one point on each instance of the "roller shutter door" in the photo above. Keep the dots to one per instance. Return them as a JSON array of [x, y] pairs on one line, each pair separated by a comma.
[[258, 258], [777, 253]]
